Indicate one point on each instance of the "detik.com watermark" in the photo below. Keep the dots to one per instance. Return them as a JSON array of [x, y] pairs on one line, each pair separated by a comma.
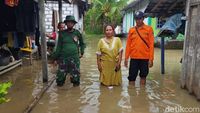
[[180, 109]]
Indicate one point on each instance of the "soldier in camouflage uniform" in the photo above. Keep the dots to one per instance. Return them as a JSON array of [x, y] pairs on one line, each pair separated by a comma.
[[69, 50]]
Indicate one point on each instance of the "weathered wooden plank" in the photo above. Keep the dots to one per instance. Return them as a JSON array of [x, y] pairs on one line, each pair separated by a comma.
[[12, 65], [191, 60], [185, 47], [192, 47], [43, 41], [197, 71], [60, 10]]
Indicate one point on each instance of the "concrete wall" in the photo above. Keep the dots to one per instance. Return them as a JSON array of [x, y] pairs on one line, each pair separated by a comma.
[[79, 25]]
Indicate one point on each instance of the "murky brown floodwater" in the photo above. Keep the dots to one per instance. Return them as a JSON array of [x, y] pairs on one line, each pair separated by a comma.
[[160, 91]]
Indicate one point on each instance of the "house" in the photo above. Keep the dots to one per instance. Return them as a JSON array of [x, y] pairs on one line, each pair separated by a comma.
[[76, 8], [79, 7], [156, 11], [163, 9], [24, 19], [128, 16]]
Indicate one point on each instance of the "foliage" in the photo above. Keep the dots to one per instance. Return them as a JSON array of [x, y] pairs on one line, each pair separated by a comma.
[[3, 91], [103, 12], [98, 36]]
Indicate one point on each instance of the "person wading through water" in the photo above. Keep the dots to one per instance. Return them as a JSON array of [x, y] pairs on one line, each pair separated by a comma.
[[109, 57], [69, 50], [140, 49]]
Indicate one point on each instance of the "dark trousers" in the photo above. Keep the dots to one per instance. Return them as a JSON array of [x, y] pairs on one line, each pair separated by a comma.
[[138, 65]]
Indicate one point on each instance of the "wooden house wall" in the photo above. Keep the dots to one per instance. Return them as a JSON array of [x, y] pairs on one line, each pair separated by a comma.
[[191, 59]]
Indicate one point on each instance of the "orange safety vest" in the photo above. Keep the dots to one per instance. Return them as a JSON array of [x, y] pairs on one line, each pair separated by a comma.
[[136, 47]]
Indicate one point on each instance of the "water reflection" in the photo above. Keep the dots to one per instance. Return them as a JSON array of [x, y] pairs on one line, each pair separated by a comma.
[[160, 91]]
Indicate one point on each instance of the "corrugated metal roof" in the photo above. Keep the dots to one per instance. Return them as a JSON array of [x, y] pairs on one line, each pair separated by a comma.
[[159, 8], [165, 8]]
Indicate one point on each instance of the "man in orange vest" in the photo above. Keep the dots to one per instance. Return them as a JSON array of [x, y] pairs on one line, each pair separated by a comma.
[[140, 49]]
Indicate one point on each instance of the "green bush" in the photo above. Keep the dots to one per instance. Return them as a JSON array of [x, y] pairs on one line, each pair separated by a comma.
[[3, 91]]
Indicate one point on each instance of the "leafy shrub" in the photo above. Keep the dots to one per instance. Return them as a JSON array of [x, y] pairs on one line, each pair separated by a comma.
[[3, 91]]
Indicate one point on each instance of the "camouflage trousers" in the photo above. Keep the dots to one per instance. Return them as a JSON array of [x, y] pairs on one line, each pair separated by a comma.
[[68, 66]]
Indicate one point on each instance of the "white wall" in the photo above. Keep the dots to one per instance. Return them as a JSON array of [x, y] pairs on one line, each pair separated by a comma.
[[128, 19], [79, 25]]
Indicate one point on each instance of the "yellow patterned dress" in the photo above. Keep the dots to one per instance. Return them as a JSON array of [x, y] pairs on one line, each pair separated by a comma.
[[109, 50]]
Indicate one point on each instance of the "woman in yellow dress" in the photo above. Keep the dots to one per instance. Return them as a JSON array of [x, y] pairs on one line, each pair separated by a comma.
[[109, 57]]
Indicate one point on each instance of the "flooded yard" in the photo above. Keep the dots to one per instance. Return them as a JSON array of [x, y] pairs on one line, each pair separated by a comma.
[[162, 93]]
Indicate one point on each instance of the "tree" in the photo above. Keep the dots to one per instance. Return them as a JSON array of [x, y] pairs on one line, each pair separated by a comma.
[[105, 11]]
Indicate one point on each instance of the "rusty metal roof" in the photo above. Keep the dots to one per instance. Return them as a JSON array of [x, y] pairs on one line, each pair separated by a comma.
[[165, 8]]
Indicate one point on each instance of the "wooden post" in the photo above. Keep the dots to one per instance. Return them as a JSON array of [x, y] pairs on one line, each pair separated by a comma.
[[197, 58], [184, 59], [60, 10], [197, 48], [43, 41], [162, 55]]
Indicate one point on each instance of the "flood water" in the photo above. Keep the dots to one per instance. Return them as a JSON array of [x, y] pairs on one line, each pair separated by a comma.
[[160, 93]]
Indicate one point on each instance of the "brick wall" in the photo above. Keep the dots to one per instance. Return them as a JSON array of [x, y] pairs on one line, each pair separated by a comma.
[[67, 9]]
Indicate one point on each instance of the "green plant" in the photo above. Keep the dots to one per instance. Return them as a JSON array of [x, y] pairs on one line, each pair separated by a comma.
[[103, 12], [3, 91]]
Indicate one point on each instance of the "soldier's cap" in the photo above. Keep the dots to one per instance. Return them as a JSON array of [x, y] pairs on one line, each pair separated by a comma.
[[70, 18], [138, 15]]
